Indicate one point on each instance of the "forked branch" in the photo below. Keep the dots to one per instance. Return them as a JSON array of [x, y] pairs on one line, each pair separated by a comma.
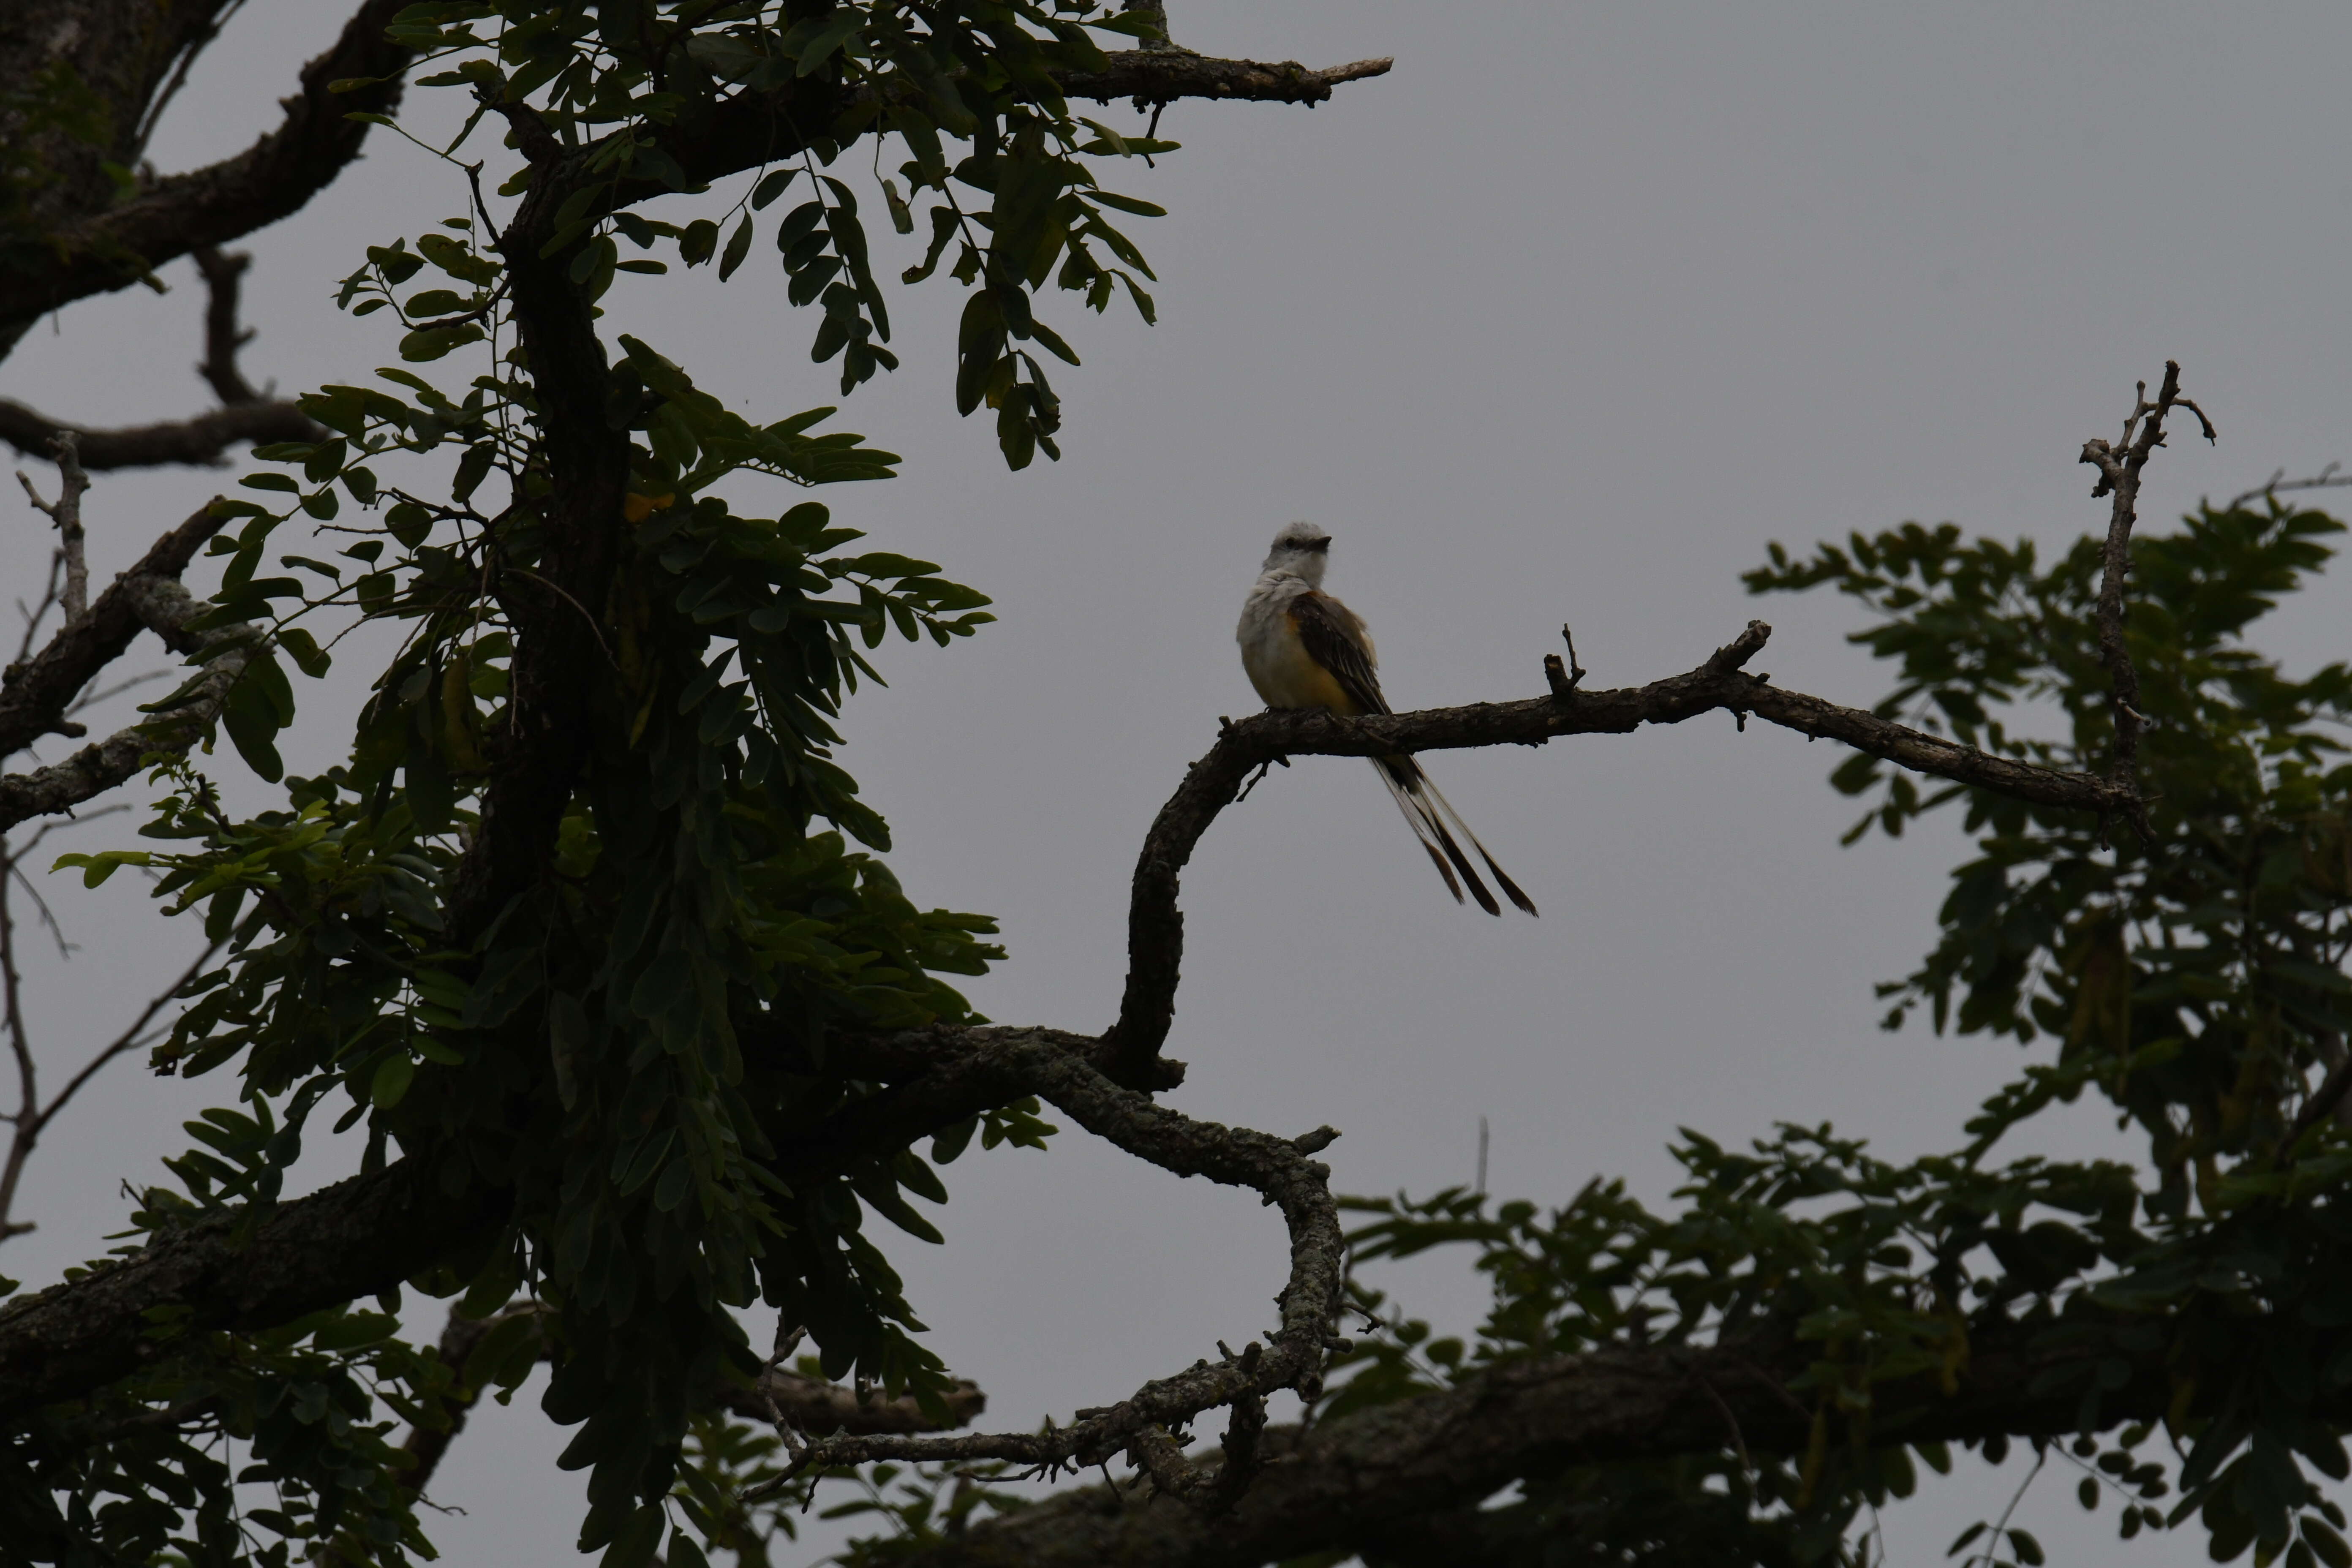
[[246, 415], [2120, 467]]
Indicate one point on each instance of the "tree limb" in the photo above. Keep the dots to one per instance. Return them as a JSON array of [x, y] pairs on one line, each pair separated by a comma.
[[1347, 1483], [1156, 926], [180, 721], [198, 441], [1280, 1169], [35, 693], [122, 244], [2119, 475], [247, 414], [360, 1237], [810, 1404], [1156, 76]]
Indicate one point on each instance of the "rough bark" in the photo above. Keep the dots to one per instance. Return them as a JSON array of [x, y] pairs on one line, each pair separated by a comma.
[[358, 1237], [74, 237], [34, 696], [1347, 1483]]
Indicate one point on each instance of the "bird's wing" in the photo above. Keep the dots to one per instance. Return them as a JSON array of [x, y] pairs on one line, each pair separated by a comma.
[[1334, 640]]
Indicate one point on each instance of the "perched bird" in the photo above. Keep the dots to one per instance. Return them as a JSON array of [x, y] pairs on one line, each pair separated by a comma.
[[1304, 649]]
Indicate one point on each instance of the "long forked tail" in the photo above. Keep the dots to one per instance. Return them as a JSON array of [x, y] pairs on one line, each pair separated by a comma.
[[1434, 821]]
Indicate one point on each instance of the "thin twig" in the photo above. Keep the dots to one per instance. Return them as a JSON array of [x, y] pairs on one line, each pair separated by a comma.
[[33, 1118], [2327, 478], [66, 512], [593, 630], [20, 1046]]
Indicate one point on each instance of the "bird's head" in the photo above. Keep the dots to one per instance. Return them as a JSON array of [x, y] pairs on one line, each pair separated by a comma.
[[1301, 549]]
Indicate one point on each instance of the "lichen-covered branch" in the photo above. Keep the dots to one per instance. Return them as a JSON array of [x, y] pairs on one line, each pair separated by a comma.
[[1154, 76], [166, 608], [809, 1403], [358, 1237], [36, 692]]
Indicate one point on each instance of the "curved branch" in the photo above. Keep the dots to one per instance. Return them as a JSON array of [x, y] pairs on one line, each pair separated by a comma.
[[225, 201], [1291, 1358], [810, 1404], [1156, 926]]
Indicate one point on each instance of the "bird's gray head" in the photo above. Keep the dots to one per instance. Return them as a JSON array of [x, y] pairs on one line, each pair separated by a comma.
[[1301, 549]]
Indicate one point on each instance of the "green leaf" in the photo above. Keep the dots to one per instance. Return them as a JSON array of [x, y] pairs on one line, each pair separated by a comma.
[[392, 1079], [308, 657], [634, 1546], [739, 245]]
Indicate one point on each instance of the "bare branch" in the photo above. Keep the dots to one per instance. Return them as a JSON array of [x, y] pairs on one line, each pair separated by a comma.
[[1156, 926], [1163, 76], [200, 441], [247, 414], [66, 512], [224, 274], [33, 1118], [2327, 478], [20, 1046], [2119, 470]]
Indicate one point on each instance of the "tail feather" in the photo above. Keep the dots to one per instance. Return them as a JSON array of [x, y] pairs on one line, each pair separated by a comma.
[[1430, 813], [1417, 819]]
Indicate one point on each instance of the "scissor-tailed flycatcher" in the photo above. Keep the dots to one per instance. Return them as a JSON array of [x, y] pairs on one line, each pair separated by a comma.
[[1304, 649]]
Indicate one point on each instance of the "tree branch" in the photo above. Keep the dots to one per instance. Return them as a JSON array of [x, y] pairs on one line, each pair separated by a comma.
[[1156, 926], [370, 1233], [73, 483], [1158, 75], [358, 1237], [183, 720], [197, 441], [1347, 1483], [2119, 475], [225, 201], [35, 693], [246, 417], [810, 1404], [1292, 1358]]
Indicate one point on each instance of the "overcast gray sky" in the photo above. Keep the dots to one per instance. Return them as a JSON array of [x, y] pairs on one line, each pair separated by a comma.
[[1562, 321]]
